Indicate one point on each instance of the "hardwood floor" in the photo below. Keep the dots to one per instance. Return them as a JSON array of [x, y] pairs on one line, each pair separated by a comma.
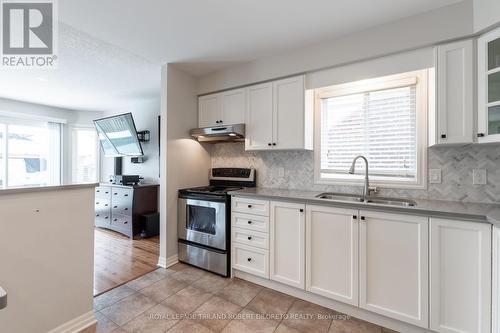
[[118, 259]]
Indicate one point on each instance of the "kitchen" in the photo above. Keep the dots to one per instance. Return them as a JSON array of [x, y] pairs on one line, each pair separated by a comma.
[[343, 183]]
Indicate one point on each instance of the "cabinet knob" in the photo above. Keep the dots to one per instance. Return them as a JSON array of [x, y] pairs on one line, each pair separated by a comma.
[[115, 206], [106, 217], [249, 222], [249, 206], [115, 193], [443, 136], [106, 205], [354, 217], [125, 222], [480, 135], [98, 191], [249, 259], [249, 237], [115, 220], [269, 144], [106, 192], [301, 210], [126, 208], [274, 143], [363, 218], [97, 215], [97, 203], [126, 195]]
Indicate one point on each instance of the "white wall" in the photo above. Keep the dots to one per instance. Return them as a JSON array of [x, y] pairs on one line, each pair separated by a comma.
[[486, 14], [145, 115], [71, 117], [46, 259], [410, 33], [187, 162]]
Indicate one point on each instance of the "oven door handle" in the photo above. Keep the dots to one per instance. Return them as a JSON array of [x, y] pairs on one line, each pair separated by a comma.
[[203, 197]]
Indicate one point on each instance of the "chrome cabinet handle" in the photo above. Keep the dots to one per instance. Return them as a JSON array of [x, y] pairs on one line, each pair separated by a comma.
[[3, 298]]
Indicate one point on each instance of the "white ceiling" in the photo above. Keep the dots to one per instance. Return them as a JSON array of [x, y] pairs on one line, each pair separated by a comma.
[[130, 40]]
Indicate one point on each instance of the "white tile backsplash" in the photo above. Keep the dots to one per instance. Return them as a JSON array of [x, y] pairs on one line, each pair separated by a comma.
[[456, 164]]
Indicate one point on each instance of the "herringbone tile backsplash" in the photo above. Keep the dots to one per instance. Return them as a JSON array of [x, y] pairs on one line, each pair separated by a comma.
[[456, 164]]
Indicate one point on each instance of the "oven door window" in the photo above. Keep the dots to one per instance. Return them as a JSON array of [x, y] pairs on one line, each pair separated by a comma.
[[201, 219]]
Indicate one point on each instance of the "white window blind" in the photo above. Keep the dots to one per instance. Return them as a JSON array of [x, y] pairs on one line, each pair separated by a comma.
[[380, 124]]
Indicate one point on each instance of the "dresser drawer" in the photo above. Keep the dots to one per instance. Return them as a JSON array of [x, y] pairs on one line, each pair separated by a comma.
[[250, 206], [103, 192], [251, 260], [122, 207], [102, 220], [121, 221], [250, 222], [122, 193], [250, 237]]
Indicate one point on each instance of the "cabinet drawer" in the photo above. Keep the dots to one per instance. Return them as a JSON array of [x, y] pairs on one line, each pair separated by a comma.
[[102, 204], [103, 192], [122, 207], [250, 206], [102, 220], [250, 222], [121, 221], [250, 237], [251, 260], [122, 193]]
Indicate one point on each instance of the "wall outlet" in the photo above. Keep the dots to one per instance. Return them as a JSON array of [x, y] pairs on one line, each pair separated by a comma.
[[435, 176], [479, 177], [281, 172]]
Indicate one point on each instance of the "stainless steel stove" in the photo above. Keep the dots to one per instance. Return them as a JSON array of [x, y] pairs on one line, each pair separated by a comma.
[[204, 220]]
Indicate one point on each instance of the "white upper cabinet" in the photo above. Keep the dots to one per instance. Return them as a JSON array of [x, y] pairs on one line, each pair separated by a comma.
[[454, 94], [277, 117], [259, 118], [332, 253], [225, 108], [393, 266], [460, 254], [287, 243], [488, 85], [209, 110]]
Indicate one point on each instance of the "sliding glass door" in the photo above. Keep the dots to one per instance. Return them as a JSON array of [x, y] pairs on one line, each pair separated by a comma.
[[30, 153]]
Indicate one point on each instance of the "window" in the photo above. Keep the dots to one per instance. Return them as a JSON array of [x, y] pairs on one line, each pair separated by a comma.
[[382, 119], [30, 152], [85, 152]]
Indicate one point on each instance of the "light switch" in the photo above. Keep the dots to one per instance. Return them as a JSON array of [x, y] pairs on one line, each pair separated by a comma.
[[479, 177], [281, 172], [435, 176]]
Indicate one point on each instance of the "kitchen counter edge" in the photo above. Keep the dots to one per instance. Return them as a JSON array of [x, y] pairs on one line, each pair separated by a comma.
[[474, 212]]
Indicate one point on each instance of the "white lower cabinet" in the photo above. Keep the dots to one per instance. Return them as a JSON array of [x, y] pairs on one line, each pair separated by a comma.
[[287, 243], [332, 253], [393, 266], [460, 276], [429, 272]]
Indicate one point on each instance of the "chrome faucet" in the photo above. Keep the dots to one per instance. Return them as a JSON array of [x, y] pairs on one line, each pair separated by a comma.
[[366, 190]]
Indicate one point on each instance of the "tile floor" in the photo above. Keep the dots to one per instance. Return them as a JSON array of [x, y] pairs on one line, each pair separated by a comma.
[[185, 299]]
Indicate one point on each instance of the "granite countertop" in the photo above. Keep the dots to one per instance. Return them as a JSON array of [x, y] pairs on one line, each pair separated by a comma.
[[31, 189], [477, 212]]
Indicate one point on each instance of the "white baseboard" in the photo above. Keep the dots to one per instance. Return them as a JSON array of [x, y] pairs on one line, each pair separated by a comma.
[[76, 325], [167, 262]]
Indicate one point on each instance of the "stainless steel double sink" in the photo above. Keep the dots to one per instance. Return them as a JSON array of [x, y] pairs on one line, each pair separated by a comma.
[[342, 197]]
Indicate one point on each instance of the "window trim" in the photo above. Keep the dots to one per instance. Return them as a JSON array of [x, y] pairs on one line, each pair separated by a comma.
[[421, 78]]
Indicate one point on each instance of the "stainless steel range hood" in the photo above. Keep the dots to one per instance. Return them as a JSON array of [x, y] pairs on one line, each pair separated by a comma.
[[219, 133]]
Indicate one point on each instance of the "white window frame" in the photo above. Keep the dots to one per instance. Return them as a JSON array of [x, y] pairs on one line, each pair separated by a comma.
[[387, 82], [70, 156]]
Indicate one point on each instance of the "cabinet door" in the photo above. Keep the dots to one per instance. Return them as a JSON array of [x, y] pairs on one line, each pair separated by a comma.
[[332, 253], [287, 243], [209, 110], [488, 85], [393, 266], [259, 118], [455, 92], [233, 105], [289, 115], [460, 276]]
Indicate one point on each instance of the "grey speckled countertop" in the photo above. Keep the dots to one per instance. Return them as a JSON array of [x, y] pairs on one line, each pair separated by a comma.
[[477, 212], [31, 189]]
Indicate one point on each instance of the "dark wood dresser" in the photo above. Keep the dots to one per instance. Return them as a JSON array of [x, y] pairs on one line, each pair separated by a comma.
[[119, 207]]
